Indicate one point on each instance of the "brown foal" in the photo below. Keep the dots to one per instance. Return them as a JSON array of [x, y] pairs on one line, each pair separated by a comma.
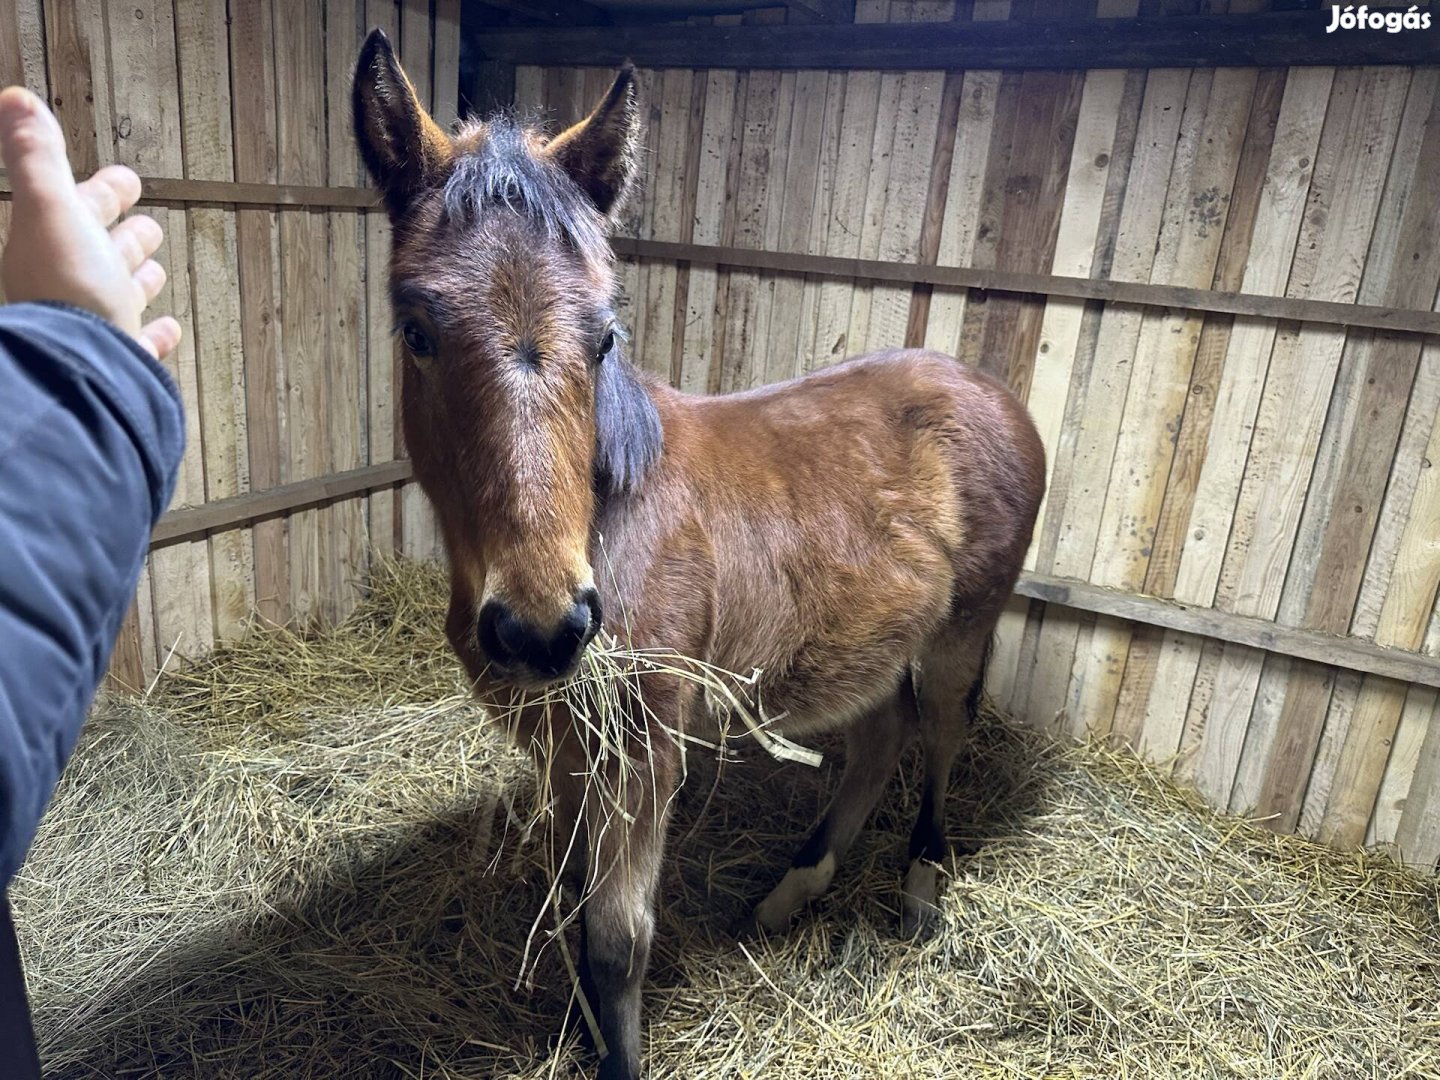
[[853, 534]]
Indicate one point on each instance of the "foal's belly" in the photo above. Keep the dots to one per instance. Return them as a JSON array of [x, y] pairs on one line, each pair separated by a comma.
[[832, 607]]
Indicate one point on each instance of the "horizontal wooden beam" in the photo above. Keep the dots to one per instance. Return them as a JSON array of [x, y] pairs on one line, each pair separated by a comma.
[[164, 190], [195, 522], [1344, 652], [1276, 39], [161, 190], [1124, 292]]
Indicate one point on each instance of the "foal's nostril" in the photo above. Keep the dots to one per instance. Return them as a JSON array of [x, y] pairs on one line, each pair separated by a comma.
[[510, 642], [500, 634], [586, 615]]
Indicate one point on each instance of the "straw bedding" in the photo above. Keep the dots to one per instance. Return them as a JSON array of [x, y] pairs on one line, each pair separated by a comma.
[[312, 858]]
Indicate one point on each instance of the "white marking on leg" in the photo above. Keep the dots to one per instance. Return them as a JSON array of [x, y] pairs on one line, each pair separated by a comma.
[[919, 892], [801, 885]]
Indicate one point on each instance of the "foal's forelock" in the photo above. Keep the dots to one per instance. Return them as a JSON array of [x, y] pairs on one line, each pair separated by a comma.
[[499, 170]]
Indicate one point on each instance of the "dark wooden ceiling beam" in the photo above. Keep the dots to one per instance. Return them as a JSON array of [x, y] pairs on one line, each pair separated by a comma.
[[571, 13], [1275, 39], [828, 11]]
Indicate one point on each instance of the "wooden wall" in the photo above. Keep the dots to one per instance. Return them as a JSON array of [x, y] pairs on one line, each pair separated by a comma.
[[287, 367], [1244, 466], [1270, 470]]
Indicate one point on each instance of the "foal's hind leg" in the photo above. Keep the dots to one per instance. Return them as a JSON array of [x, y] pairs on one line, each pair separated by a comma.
[[948, 687], [872, 751]]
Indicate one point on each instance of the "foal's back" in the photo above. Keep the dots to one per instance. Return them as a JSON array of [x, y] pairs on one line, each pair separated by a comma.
[[848, 515]]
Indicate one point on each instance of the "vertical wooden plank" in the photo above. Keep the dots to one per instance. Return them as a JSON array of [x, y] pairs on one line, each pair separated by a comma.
[[797, 202], [78, 86], [877, 192], [1417, 832], [1035, 180], [912, 143], [826, 171], [1089, 461], [1394, 359], [381, 356], [968, 167], [1151, 646], [1322, 462], [529, 84], [1248, 352], [1404, 619], [760, 360], [1212, 133], [848, 200], [669, 144], [447, 64], [22, 48], [202, 36], [762, 88], [417, 525], [75, 36], [144, 84], [304, 294], [932, 224], [346, 361], [1078, 231], [715, 139], [1386, 552], [256, 154], [1396, 786], [686, 218]]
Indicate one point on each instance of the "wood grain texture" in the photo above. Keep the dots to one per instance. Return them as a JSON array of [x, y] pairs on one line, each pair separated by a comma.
[[304, 296], [256, 161], [1359, 491], [144, 85], [346, 362], [201, 34], [381, 353]]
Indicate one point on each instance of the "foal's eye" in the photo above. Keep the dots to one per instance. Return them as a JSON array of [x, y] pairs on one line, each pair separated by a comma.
[[416, 340], [606, 346]]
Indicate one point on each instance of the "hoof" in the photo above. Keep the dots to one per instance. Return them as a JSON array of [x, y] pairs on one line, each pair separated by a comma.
[[919, 914], [615, 1067], [919, 922], [573, 1026], [748, 927]]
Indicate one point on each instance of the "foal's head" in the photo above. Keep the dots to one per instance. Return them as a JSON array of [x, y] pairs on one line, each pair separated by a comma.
[[518, 407]]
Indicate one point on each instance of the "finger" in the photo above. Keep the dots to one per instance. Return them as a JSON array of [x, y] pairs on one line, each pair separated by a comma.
[[33, 148], [137, 238], [161, 336], [150, 278], [110, 192]]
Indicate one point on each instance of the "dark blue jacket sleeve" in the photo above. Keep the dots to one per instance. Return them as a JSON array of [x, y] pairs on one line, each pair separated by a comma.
[[91, 433]]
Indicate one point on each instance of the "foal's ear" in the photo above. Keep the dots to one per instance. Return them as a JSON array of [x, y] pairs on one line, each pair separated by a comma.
[[404, 150], [599, 152]]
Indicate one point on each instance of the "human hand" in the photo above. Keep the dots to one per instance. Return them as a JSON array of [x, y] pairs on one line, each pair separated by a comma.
[[59, 247]]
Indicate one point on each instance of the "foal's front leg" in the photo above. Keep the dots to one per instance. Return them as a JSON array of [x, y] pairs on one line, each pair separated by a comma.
[[625, 850]]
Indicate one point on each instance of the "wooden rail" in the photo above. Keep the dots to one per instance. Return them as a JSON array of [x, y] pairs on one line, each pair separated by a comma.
[[193, 523], [964, 277], [163, 190]]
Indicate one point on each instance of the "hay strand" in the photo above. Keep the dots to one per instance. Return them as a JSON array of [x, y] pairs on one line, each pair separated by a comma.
[[313, 857]]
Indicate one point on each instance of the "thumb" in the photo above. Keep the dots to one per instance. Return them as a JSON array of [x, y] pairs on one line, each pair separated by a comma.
[[160, 337], [33, 148]]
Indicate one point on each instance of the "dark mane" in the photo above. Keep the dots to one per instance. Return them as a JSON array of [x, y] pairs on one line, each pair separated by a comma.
[[628, 433], [503, 173]]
